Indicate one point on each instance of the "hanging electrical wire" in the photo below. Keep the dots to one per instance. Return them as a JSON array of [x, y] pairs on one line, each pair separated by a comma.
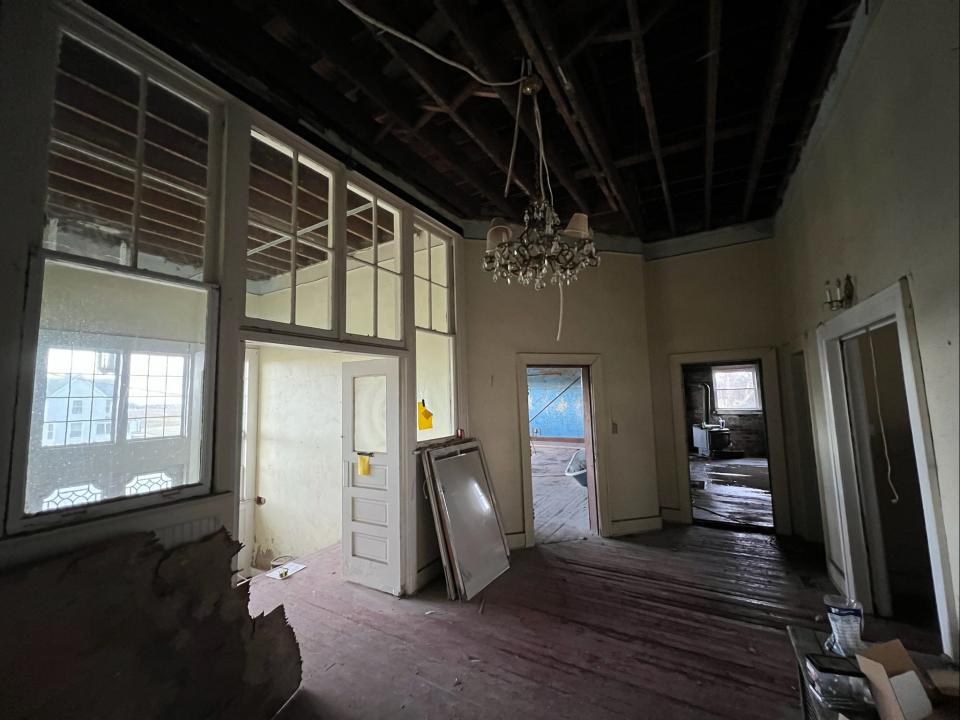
[[883, 431], [370, 20]]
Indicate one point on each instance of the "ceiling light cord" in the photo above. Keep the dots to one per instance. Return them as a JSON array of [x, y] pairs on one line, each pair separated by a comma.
[[560, 321], [516, 133], [416, 43], [542, 162], [883, 432]]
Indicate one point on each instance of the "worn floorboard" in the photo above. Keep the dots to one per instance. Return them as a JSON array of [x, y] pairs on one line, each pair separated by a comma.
[[559, 502], [685, 623], [734, 492]]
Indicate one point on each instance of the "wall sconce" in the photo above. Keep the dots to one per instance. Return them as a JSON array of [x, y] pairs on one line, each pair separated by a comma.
[[839, 295]]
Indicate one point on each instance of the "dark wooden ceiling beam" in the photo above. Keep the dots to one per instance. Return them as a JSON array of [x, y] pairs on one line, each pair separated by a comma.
[[470, 34], [255, 66], [786, 41], [714, 11], [331, 41], [540, 62], [586, 36], [642, 78], [426, 73], [566, 90]]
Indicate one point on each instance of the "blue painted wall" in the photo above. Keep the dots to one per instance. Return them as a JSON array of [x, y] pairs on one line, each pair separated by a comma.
[[563, 417]]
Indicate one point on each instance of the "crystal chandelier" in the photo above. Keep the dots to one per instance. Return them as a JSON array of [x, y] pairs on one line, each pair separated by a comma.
[[543, 251]]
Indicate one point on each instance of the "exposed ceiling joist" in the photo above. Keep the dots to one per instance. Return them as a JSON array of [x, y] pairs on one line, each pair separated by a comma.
[[566, 89], [646, 101], [713, 73], [426, 72], [786, 40], [468, 31], [332, 43]]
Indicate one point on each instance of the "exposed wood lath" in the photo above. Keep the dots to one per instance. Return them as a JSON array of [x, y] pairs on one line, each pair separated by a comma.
[[631, 134]]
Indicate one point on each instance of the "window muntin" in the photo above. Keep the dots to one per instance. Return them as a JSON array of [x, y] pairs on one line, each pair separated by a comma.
[[737, 388], [288, 191], [127, 180], [374, 281], [94, 334]]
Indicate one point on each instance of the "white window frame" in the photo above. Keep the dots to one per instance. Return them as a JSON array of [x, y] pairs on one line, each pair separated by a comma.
[[18, 520], [757, 387], [450, 238], [85, 26], [262, 125]]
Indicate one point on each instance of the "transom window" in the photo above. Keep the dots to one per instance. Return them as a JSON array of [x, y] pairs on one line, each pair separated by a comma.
[[737, 388], [431, 269], [128, 166], [373, 301]]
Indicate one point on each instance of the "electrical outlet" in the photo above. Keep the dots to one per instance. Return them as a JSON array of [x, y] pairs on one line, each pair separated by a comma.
[[614, 428]]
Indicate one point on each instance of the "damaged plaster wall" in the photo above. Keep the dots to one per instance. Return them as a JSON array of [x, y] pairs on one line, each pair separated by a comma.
[[125, 629]]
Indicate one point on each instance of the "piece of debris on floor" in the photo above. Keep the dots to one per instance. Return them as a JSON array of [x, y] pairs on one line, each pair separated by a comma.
[[124, 628]]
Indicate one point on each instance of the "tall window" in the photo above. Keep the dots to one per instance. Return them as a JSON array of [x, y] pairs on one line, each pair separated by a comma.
[[737, 388], [118, 380], [289, 244], [436, 376]]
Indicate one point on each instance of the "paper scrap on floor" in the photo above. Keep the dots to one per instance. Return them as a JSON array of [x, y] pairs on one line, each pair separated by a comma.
[[284, 571]]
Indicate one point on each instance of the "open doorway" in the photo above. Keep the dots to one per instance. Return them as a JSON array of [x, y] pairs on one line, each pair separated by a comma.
[[561, 453], [888, 484], [727, 448], [308, 414]]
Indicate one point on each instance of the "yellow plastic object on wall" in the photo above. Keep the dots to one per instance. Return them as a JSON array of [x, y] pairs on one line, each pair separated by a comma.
[[424, 416], [363, 464]]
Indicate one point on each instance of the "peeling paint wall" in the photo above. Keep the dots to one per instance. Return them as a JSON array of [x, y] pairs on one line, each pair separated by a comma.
[[124, 629]]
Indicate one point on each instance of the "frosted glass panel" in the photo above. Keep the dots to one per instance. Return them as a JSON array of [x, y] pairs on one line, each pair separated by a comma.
[[388, 306], [370, 414], [439, 301], [435, 383], [360, 298], [421, 302]]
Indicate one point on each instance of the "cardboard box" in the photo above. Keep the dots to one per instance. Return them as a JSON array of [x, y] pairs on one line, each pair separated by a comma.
[[895, 682]]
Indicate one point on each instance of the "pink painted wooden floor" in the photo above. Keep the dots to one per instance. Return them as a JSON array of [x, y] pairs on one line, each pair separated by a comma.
[[685, 623]]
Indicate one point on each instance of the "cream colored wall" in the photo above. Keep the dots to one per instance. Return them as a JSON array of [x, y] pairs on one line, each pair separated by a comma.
[[603, 315], [721, 299], [299, 451], [876, 196]]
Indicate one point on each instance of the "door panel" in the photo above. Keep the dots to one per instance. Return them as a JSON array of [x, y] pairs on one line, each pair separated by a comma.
[[371, 495]]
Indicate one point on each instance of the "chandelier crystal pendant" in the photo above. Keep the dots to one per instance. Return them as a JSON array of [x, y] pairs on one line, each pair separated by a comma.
[[544, 251]]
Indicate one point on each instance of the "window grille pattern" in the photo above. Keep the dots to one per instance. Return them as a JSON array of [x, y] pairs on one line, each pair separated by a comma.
[[127, 179], [155, 399], [737, 388], [431, 263], [148, 483], [78, 405], [72, 496]]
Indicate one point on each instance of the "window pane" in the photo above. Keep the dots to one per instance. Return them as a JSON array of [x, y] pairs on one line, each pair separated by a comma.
[[370, 413], [97, 331], [173, 200], [388, 232], [421, 302], [421, 258], [742, 399], [93, 150], [435, 384], [359, 224], [439, 301], [438, 260], [359, 298], [389, 325], [314, 286], [733, 379], [269, 231]]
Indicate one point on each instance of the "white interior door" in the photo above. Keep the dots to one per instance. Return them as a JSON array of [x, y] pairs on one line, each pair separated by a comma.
[[371, 501]]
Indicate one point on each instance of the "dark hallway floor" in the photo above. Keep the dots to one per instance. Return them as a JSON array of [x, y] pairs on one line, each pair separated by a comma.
[[731, 492], [682, 624]]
